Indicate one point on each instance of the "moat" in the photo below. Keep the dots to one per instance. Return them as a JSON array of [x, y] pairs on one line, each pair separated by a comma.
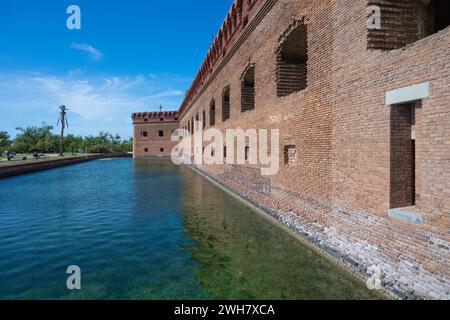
[[146, 229]]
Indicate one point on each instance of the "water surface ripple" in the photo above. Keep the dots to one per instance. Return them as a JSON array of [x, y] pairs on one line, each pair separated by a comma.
[[146, 229]]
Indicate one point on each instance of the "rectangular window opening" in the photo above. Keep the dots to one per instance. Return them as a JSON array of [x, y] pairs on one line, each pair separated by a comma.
[[403, 155], [290, 155]]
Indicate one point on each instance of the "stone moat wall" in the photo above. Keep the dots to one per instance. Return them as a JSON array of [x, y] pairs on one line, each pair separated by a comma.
[[19, 169]]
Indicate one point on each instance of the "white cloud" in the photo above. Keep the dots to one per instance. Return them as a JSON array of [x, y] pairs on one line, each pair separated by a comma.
[[164, 94], [95, 100], [95, 53]]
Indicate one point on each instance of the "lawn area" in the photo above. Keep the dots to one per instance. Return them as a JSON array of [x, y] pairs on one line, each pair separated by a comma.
[[20, 158]]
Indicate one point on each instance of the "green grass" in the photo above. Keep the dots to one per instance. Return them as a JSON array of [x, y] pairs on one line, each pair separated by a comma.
[[18, 158]]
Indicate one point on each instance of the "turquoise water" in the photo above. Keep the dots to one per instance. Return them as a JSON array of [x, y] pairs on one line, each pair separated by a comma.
[[146, 229]]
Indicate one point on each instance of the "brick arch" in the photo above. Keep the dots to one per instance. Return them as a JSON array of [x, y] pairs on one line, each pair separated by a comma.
[[220, 39], [197, 120], [212, 113], [225, 31], [230, 25], [239, 9], [226, 103], [248, 88], [234, 16], [292, 59]]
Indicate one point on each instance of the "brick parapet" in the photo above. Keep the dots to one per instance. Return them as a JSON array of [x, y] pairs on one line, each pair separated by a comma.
[[154, 117], [234, 25]]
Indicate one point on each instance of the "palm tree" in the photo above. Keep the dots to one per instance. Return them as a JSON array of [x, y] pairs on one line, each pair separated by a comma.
[[62, 118]]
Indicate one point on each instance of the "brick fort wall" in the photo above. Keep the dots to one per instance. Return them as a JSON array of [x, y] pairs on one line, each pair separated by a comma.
[[350, 158], [152, 132]]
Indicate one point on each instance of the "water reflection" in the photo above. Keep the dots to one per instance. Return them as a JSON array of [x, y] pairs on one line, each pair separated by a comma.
[[244, 256], [146, 229]]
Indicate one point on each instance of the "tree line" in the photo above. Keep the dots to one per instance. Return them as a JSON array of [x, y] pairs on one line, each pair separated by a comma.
[[43, 140]]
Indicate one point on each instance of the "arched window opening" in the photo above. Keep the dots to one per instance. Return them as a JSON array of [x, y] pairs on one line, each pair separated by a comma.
[[292, 58], [226, 104], [248, 89], [247, 152], [212, 113], [290, 155], [197, 119], [204, 119]]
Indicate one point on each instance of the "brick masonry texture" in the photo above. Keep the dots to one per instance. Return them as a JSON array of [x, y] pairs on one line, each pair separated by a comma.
[[348, 152], [405, 21], [147, 126]]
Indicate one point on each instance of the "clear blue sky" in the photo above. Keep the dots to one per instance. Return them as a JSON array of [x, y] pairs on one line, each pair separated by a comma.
[[129, 56]]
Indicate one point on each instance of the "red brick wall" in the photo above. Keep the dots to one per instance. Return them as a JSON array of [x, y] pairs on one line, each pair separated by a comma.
[[400, 21], [405, 21], [153, 145], [362, 147], [338, 192]]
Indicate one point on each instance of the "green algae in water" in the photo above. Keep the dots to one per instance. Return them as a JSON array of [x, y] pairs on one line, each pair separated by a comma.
[[243, 255], [146, 229]]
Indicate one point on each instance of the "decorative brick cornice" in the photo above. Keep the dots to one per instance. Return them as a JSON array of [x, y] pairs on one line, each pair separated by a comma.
[[236, 21], [152, 117]]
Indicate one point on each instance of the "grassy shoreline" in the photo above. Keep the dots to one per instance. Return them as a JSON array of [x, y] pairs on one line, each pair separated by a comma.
[[18, 158]]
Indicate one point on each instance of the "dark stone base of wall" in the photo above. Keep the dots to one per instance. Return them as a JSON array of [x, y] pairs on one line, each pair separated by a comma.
[[19, 169]]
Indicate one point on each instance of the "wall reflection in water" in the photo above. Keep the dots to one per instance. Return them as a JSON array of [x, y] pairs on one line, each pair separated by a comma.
[[241, 255]]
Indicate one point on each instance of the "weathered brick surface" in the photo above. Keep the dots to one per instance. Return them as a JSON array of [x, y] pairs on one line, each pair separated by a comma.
[[337, 192], [151, 144], [406, 21]]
